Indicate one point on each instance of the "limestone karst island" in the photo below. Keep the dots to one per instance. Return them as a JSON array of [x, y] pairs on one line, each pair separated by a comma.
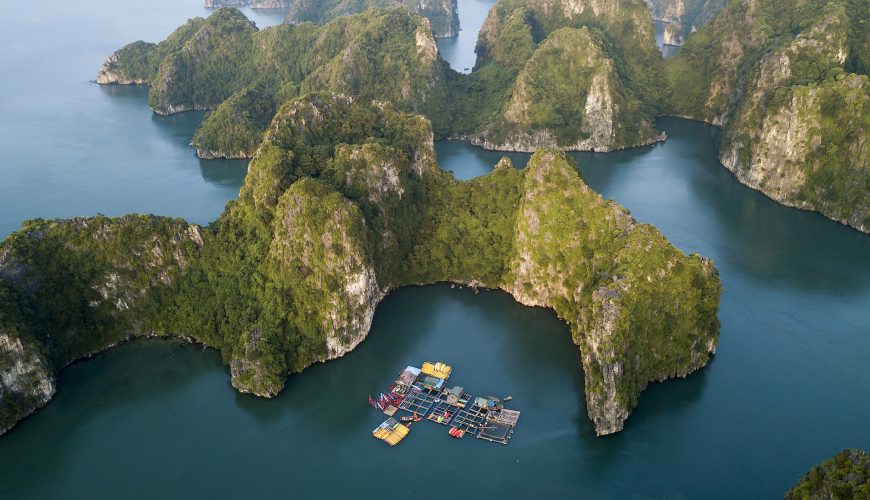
[[473, 248]]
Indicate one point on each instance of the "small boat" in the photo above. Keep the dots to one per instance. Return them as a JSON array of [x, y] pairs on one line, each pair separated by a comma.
[[411, 418], [456, 432], [508, 398]]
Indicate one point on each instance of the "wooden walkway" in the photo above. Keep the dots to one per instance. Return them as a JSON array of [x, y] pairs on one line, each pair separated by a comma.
[[418, 402], [470, 419], [442, 413]]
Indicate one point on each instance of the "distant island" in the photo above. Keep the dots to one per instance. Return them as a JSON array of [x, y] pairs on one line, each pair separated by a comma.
[[443, 14], [787, 83], [344, 202]]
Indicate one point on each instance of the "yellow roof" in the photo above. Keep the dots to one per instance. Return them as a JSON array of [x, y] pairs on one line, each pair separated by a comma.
[[439, 370]]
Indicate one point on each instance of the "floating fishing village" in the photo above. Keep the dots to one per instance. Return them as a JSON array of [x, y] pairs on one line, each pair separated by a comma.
[[422, 393]]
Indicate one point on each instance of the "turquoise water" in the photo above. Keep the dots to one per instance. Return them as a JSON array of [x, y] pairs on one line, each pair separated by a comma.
[[71, 147], [787, 389], [459, 50]]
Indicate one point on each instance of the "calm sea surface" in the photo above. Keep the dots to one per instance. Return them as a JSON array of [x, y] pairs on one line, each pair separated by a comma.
[[788, 387]]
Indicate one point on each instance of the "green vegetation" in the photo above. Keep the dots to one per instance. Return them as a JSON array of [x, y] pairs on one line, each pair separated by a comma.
[[225, 64], [569, 91], [686, 15], [842, 477], [759, 62], [236, 127], [443, 14], [343, 202], [527, 61]]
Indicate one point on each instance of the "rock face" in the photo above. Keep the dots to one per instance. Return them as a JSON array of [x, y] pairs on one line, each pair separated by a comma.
[[618, 313], [847, 475], [225, 64], [673, 34], [443, 14], [568, 96], [795, 116], [344, 202], [683, 17], [87, 284], [581, 75], [26, 380], [111, 74]]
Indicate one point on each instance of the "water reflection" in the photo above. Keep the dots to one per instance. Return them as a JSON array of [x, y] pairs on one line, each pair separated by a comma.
[[455, 51], [468, 162]]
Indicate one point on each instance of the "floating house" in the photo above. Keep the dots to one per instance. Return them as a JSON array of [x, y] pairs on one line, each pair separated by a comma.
[[456, 396], [488, 403], [406, 380], [422, 393], [433, 376], [391, 432]]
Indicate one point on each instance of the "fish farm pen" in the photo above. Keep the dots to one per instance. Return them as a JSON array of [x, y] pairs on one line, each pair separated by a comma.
[[422, 393]]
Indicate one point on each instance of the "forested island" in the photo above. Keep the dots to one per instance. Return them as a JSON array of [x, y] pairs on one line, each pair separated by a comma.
[[344, 202], [786, 81], [788, 84], [847, 475], [443, 14]]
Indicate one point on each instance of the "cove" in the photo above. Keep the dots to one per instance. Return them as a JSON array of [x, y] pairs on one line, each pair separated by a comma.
[[787, 388]]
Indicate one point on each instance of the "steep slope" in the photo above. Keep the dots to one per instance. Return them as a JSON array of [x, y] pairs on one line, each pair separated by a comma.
[[344, 202], [788, 84], [569, 96], [443, 14], [684, 17], [224, 63], [75, 287], [596, 86]]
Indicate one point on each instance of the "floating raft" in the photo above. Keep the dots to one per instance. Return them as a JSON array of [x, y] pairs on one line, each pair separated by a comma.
[[499, 426], [470, 419], [442, 413], [391, 432], [422, 393], [417, 402]]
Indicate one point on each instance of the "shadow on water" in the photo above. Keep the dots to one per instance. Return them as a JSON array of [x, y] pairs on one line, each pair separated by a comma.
[[467, 162], [94, 395], [137, 94], [224, 173], [758, 237]]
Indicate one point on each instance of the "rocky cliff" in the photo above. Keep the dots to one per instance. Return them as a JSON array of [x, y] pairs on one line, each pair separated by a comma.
[[569, 96], [75, 287], [26, 379], [619, 285], [575, 75], [224, 63], [343, 202], [789, 87], [683, 17], [443, 14]]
